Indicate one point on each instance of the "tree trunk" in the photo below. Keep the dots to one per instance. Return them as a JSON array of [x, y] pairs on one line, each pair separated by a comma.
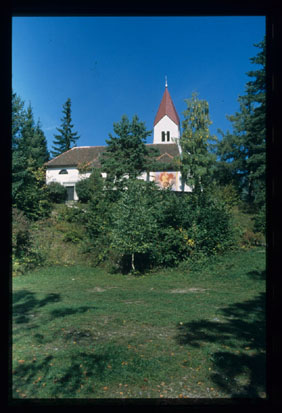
[[132, 262]]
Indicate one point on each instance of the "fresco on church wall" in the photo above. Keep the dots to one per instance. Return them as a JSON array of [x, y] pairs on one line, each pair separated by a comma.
[[166, 179]]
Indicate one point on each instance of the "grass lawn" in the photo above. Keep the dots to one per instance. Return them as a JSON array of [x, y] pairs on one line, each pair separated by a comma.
[[80, 332]]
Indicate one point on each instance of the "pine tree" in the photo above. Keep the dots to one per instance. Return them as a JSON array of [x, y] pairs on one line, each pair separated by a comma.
[[66, 138], [242, 152], [196, 159], [29, 152], [126, 153], [18, 116], [32, 143]]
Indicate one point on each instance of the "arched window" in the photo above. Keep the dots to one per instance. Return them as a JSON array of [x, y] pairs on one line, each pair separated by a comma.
[[63, 172]]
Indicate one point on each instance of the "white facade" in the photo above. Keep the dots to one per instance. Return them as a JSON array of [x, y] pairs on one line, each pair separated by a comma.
[[166, 131], [67, 176], [162, 128]]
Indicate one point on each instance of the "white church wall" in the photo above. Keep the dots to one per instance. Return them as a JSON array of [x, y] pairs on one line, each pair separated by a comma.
[[164, 125], [66, 179]]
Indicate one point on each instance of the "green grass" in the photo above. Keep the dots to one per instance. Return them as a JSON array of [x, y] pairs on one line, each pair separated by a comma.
[[80, 332]]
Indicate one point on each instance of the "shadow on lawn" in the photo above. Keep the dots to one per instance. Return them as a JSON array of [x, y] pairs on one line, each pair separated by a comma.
[[240, 370], [24, 303], [79, 375]]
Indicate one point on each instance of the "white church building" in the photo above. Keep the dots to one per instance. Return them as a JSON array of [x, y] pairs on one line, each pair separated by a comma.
[[65, 167]]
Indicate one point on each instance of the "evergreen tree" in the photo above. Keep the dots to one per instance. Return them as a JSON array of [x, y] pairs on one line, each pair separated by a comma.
[[126, 153], [32, 143], [29, 152], [196, 159], [242, 152], [66, 138], [18, 116]]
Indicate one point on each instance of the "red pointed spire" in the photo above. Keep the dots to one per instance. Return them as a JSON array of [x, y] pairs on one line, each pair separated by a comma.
[[167, 108]]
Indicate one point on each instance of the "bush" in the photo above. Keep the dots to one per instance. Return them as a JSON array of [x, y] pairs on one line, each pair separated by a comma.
[[25, 254], [161, 228], [83, 190], [87, 187], [20, 233], [260, 221], [212, 227], [57, 193], [72, 214], [72, 236]]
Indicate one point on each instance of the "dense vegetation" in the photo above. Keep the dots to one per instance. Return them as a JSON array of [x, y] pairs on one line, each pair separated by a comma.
[[83, 326], [128, 224]]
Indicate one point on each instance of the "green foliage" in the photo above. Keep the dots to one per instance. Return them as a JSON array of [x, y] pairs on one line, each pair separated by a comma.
[[87, 187], [242, 152], [134, 224], [66, 138], [126, 153], [73, 236], [29, 191], [72, 214], [29, 152], [31, 142], [57, 193], [25, 254], [197, 159], [83, 190], [260, 221], [20, 233], [226, 194]]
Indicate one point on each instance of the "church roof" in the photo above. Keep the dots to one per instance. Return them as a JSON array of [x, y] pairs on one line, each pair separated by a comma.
[[78, 155], [90, 155], [167, 108]]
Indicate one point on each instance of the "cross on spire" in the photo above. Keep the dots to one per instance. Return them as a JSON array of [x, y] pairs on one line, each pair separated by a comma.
[[165, 81]]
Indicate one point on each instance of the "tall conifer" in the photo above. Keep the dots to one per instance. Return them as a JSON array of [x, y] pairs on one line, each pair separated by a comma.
[[242, 152], [126, 153], [66, 138]]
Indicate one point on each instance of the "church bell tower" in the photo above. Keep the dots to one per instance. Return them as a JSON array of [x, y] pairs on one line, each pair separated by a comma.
[[166, 123]]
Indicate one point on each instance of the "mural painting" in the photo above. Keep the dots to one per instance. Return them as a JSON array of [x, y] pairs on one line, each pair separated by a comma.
[[166, 179]]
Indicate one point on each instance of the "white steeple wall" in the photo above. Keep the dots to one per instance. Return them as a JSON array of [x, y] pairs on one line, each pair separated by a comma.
[[166, 125]]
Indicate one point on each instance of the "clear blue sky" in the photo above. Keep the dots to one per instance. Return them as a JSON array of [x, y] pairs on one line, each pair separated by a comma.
[[110, 66]]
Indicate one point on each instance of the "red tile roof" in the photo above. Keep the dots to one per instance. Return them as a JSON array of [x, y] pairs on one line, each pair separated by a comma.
[[167, 108]]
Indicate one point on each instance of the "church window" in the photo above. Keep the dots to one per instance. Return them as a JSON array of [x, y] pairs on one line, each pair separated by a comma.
[[63, 172], [168, 136], [163, 136]]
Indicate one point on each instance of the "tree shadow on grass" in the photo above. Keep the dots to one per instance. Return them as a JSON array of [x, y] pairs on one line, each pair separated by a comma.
[[25, 302], [239, 371], [79, 373], [63, 380], [257, 275]]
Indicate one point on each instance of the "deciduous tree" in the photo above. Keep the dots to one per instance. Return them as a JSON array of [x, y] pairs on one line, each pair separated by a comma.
[[197, 158]]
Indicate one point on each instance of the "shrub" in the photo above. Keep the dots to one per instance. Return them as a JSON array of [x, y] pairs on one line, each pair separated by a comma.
[[83, 190], [25, 254], [57, 193], [260, 221], [87, 187], [20, 233], [72, 214], [72, 236]]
